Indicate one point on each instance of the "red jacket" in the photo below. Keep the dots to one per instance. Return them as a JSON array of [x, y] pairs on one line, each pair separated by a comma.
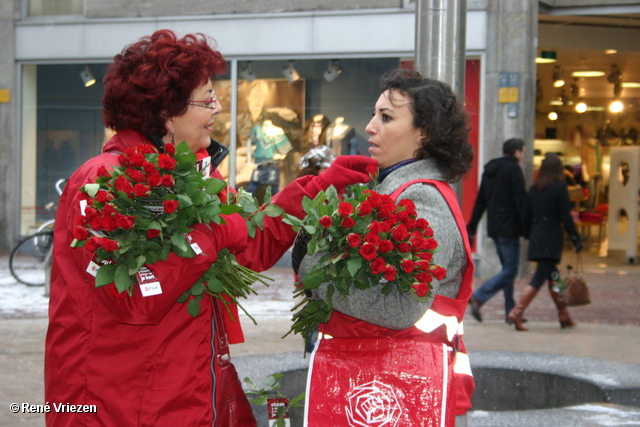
[[142, 361]]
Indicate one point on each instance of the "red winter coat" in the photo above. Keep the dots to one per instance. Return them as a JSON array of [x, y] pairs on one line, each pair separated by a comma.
[[142, 361]]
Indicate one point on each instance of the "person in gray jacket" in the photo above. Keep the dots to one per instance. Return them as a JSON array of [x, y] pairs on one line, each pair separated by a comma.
[[502, 194]]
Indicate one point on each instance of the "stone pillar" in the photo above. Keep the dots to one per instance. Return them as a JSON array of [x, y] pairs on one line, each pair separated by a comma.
[[9, 10], [512, 31]]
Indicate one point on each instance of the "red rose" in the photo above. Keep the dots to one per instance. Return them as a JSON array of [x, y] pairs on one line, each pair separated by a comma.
[[372, 171], [368, 251], [354, 240], [149, 167], [103, 197], [374, 198], [377, 266], [80, 233], [154, 179], [403, 216], [423, 265], [96, 223], [141, 190], [125, 222], [168, 181], [123, 184], [123, 159], [386, 209], [439, 273], [102, 171], [386, 246], [424, 277], [409, 206], [166, 162], [422, 223], [430, 244], [152, 233], [348, 222], [421, 289], [170, 149], [399, 233], [107, 210], [170, 206], [90, 212], [372, 238], [364, 208], [109, 245], [93, 244], [136, 160], [136, 175], [389, 273], [410, 223], [427, 256], [109, 223], [407, 265], [375, 227], [403, 247], [326, 221], [345, 209]]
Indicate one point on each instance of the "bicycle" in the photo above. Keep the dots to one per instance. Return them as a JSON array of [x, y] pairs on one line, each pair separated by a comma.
[[30, 260]]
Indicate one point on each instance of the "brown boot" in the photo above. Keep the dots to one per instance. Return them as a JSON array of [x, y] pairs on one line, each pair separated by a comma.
[[563, 314], [515, 316]]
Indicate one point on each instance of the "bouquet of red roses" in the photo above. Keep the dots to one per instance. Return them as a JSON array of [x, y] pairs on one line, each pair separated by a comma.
[[139, 212], [368, 241]]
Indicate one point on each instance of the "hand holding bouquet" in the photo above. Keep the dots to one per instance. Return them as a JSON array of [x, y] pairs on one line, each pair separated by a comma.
[[368, 241], [142, 210]]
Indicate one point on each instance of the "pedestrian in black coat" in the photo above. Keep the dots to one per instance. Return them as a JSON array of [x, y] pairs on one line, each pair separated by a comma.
[[547, 211]]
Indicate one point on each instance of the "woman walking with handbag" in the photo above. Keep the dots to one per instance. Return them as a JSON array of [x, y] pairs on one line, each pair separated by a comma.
[[547, 209]]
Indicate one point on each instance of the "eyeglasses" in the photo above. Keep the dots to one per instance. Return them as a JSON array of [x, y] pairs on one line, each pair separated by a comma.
[[210, 103]]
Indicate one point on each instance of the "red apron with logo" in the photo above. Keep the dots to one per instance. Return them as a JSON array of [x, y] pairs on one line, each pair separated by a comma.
[[365, 375]]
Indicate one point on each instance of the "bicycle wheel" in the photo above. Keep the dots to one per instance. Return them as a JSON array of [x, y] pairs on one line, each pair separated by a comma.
[[28, 260]]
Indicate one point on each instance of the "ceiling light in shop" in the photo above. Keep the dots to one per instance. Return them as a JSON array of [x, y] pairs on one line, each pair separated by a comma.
[[553, 116], [581, 107], [558, 80], [87, 77], [610, 51], [630, 84], [546, 57], [290, 73], [616, 107], [555, 102], [247, 72], [588, 73]]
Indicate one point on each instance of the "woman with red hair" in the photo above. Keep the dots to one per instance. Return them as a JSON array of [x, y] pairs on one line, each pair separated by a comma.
[[144, 360]]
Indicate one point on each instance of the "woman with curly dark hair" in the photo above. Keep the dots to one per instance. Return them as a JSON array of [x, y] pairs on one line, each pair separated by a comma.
[[418, 134], [144, 360]]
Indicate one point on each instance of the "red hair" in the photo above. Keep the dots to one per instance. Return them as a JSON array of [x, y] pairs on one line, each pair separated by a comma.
[[152, 80]]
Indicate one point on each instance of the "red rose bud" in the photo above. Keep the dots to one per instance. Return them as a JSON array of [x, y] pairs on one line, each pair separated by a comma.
[[125, 222], [130, 151], [136, 160], [386, 246], [103, 197], [375, 227], [103, 172], [146, 149], [80, 233], [439, 273], [166, 162], [430, 244], [424, 277], [372, 171], [407, 265], [123, 159], [403, 247], [368, 251], [170, 206], [148, 167], [154, 179], [408, 205], [345, 209], [385, 210], [141, 190], [168, 181], [423, 265], [389, 273], [109, 245], [399, 233], [427, 256], [136, 175], [348, 222], [326, 221], [152, 233], [422, 223], [170, 149], [109, 223], [364, 208], [378, 265], [107, 210], [123, 184], [421, 289], [90, 212], [96, 223], [375, 199], [354, 240], [93, 244]]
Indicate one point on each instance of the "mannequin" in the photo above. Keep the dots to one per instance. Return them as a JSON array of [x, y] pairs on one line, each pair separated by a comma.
[[270, 141], [591, 155], [341, 135]]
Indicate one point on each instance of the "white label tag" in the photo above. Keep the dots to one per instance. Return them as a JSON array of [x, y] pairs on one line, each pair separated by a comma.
[[93, 268], [193, 244], [149, 284], [83, 206], [204, 166]]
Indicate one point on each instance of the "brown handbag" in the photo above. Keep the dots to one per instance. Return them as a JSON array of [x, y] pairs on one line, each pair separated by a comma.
[[577, 292]]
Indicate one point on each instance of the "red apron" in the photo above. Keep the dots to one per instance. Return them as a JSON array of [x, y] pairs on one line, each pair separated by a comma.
[[364, 375]]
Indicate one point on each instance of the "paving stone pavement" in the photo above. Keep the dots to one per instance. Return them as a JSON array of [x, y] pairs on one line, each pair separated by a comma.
[[608, 330]]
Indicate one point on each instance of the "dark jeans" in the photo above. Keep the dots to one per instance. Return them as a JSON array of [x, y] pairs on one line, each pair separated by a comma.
[[547, 269], [509, 253]]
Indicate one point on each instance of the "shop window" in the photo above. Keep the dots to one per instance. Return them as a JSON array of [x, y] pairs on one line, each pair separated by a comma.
[[55, 7]]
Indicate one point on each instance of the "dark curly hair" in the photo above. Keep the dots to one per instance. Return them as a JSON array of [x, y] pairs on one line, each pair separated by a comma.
[[441, 117], [152, 80]]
